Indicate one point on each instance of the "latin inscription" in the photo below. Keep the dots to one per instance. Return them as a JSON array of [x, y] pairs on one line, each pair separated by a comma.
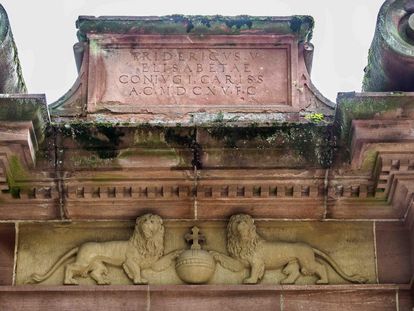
[[198, 76]]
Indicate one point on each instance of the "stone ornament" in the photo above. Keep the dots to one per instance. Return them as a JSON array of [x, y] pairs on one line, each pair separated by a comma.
[[144, 250], [195, 266], [248, 250]]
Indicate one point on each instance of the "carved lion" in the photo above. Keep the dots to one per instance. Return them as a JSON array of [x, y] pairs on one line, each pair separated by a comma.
[[248, 250], [143, 250]]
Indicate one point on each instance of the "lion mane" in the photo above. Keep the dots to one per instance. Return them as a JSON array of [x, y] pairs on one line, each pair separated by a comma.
[[147, 244], [242, 247]]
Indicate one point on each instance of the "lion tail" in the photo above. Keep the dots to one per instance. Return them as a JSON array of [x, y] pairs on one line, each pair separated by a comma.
[[351, 278], [37, 278]]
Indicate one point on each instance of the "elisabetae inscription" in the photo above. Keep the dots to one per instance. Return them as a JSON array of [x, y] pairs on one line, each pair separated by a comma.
[[198, 76]]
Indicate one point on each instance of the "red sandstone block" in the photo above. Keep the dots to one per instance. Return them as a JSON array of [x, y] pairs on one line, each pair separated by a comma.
[[218, 300], [7, 240], [81, 300], [260, 208], [405, 301], [127, 210], [393, 253], [343, 301]]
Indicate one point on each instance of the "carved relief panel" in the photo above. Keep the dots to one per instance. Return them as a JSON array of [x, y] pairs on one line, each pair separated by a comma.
[[212, 252]]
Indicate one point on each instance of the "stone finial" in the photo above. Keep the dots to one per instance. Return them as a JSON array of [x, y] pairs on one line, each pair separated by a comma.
[[391, 55]]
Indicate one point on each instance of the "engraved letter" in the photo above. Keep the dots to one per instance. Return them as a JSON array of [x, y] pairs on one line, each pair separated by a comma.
[[251, 90], [123, 79], [147, 90], [135, 79], [181, 90], [177, 79], [204, 79], [197, 90], [133, 91], [246, 68]]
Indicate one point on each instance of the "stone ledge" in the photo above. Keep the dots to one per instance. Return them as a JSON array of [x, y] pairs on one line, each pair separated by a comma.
[[208, 297], [206, 288]]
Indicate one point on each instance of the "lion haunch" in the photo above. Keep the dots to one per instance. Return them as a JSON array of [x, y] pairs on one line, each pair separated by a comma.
[[248, 250], [143, 250]]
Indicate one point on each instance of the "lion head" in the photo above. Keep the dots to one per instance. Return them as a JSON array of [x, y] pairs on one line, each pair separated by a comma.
[[148, 236], [242, 237]]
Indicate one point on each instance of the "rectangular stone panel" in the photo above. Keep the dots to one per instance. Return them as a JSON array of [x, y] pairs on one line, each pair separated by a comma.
[[345, 301], [350, 245], [24, 208], [68, 299], [133, 74], [214, 298], [393, 253], [197, 76]]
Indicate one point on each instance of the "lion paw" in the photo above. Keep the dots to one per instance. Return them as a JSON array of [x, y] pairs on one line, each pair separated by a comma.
[[287, 281], [140, 281], [103, 282], [177, 253], [71, 281], [250, 281], [216, 255], [322, 281]]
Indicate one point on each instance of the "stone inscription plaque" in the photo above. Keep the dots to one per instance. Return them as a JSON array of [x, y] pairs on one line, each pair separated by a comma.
[[196, 76]]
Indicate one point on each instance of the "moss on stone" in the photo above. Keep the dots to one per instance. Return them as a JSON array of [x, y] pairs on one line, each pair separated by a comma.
[[26, 108], [102, 138], [92, 161], [195, 24], [94, 48], [310, 141], [130, 153], [351, 107], [16, 173], [21, 84], [369, 161]]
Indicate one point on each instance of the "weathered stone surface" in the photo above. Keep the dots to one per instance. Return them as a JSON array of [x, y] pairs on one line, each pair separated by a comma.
[[405, 300], [351, 300], [219, 298], [148, 78], [393, 253], [350, 245], [301, 26], [197, 119], [390, 58], [154, 70], [7, 244], [11, 78], [355, 297], [65, 299]]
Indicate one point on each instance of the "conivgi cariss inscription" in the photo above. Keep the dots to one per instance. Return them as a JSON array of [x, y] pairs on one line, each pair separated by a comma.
[[197, 76]]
